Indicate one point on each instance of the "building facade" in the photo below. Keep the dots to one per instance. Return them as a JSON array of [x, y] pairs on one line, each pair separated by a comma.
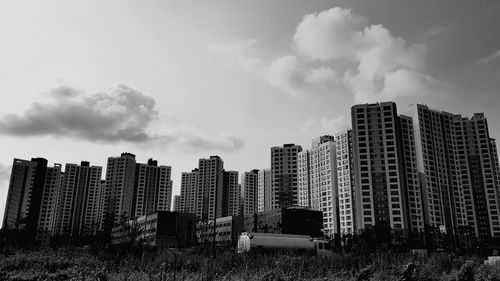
[[317, 181], [345, 182], [152, 188], [264, 190], [284, 172], [249, 192], [189, 191], [378, 167], [120, 175], [231, 195]]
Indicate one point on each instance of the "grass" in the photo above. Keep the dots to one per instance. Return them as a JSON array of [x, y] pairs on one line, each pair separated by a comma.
[[197, 264]]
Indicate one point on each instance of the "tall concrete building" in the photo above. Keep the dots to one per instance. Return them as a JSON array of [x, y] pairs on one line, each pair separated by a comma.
[[152, 188], [120, 174], [177, 203], [18, 196], [189, 188], [78, 202], [284, 170], [210, 188], [48, 206], [379, 167], [456, 163], [345, 182], [317, 181], [249, 192], [231, 195], [264, 190], [24, 198]]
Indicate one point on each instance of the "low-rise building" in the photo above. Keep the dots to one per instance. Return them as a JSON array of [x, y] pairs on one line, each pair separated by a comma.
[[160, 229], [291, 220], [227, 231]]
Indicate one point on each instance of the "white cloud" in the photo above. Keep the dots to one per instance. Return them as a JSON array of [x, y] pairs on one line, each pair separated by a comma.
[[322, 126], [294, 77], [376, 65], [331, 34], [489, 59], [437, 30], [121, 114], [241, 55]]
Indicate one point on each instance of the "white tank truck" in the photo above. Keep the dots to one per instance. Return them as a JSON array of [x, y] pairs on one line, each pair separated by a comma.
[[249, 242]]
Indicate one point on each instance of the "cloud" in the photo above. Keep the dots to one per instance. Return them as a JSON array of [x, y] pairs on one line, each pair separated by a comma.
[[121, 114], [489, 59], [4, 175], [325, 125], [292, 76], [437, 30], [241, 55], [374, 64]]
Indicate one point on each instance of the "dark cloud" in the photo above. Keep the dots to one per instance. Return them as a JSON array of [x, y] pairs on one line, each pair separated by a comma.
[[120, 114]]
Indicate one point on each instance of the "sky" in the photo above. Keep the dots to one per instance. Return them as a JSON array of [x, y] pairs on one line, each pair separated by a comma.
[[181, 80]]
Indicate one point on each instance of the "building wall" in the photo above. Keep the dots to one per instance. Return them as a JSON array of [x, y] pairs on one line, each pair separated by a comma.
[[249, 185], [284, 182], [317, 181], [345, 181], [189, 191], [177, 203], [48, 205], [413, 192], [120, 174], [295, 220], [20, 186], [152, 188], [379, 172], [478, 169], [438, 165], [231, 196], [264, 190], [210, 183], [227, 231]]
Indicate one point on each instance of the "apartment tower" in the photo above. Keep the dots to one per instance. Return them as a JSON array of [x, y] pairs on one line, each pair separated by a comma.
[[120, 174], [317, 181], [249, 192], [284, 169], [378, 167]]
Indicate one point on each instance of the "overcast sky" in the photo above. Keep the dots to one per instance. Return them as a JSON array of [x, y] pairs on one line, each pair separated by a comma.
[[182, 80]]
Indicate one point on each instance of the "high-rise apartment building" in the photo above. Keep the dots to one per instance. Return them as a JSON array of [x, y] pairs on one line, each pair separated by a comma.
[[284, 176], [78, 203], [18, 196], [345, 182], [210, 188], [264, 190], [231, 195], [456, 163], [189, 189], [120, 174], [249, 192], [379, 168], [152, 188], [317, 181], [24, 199], [177, 203], [48, 206]]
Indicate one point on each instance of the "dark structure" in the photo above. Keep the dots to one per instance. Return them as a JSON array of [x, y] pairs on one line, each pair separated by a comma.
[[159, 229], [228, 230], [292, 220]]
